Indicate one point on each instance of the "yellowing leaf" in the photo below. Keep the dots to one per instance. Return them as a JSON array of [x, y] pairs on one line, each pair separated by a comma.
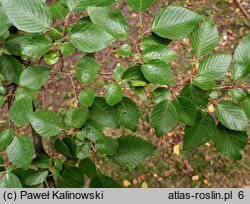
[[176, 149], [144, 184], [205, 181], [195, 178], [211, 108], [126, 183]]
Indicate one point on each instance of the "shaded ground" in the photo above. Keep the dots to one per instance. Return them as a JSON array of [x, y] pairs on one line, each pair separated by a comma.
[[202, 167]]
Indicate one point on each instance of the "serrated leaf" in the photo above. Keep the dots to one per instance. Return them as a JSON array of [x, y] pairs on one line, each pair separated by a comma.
[[37, 46], [175, 22], [110, 20], [160, 52], [33, 78], [101, 181], [140, 5], [42, 162], [127, 114], [10, 68], [45, 122], [88, 168], [5, 138], [154, 40], [62, 148], [230, 143], [86, 97], [238, 94], [75, 118], [200, 133], [71, 144], [90, 38], [28, 15], [58, 10], [80, 5], [10, 180], [241, 66], [113, 93], [83, 151], [92, 130], [163, 117], [134, 76], [197, 95], [107, 145], [215, 66], [4, 23], [20, 151], [19, 111], [67, 48], [32, 177], [132, 151], [246, 106], [186, 110], [87, 69], [158, 72], [231, 116], [203, 82], [23, 93], [160, 94], [101, 112], [204, 38]]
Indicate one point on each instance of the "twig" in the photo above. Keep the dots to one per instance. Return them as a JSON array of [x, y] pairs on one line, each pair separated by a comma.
[[243, 9], [74, 90]]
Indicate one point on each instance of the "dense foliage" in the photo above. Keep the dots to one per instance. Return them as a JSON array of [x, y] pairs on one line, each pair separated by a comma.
[[31, 44]]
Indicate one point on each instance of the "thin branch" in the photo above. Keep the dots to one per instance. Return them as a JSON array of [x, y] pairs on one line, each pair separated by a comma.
[[74, 90], [243, 9]]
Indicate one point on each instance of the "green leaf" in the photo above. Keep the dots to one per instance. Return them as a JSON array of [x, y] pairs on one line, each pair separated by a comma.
[[83, 151], [241, 66], [32, 177], [160, 94], [45, 122], [56, 33], [215, 66], [113, 93], [160, 52], [51, 57], [132, 151], [10, 68], [70, 143], [33, 78], [37, 46], [125, 50], [107, 145], [127, 114], [79, 5], [158, 72], [88, 168], [10, 180], [20, 151], [101, 181], [19, 111], [101, 112], [140, 5], [4, 23], [203, 82], [197, 95], [23, 93], [42, 162], [186, 110], [175, 22], [87, 69], [62, 148], [204, 38], [238, 94], [90, 38], [246, 106], [154, 40], [92, 131], [28, 15], [75, 118], [230, 143], [110, 20], [200, 133], [164, 117], [1, 101], [86, 97], [67, 48], [134, 76], [5, 138], [58, 10], [231, 116]]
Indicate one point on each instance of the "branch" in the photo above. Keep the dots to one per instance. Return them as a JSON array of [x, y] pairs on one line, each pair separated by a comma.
[[243, 9]]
